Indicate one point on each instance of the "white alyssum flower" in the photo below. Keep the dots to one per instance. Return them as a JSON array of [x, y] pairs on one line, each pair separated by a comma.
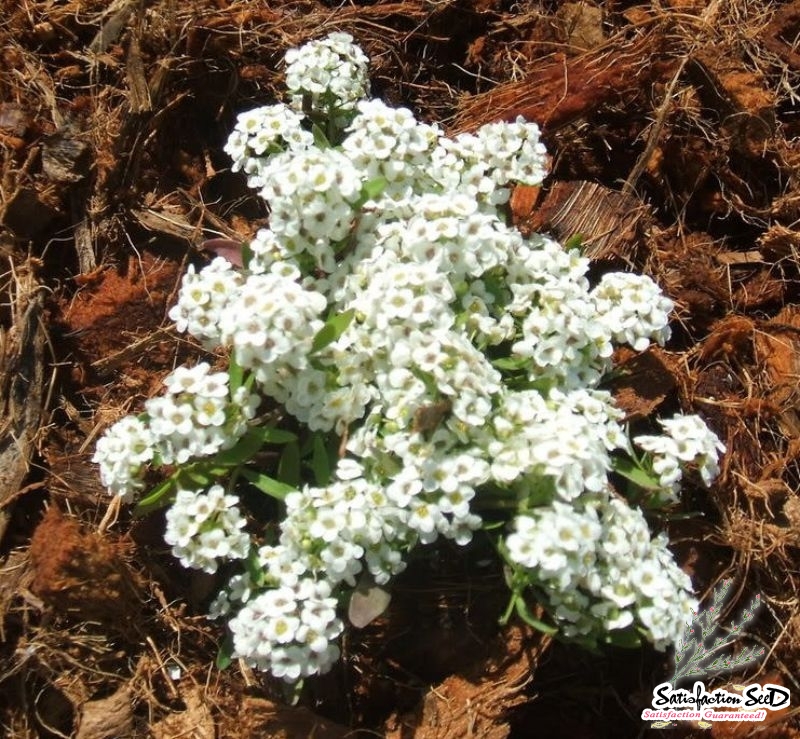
[[333, 73], [237, 591], [289, 630], [206, 527], [311, 195], [334, 530], [482, 164], [564, 439], [455, 365], [687, 442], [204, 298], [601, 570], [270, 324], [264, 131], [196, 417], [633, 308], [390, 143], [122, 452]]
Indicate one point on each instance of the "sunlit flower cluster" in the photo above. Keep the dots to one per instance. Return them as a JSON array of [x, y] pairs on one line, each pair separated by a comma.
[[688, 442], [122, 452], [601, 569], [338, 529], [204, 298], [270, 323], [633, 307], [264, 131], [289, 630], [483, 164], [333, 73], [390, 143], [311, 196], [196, 417], [438, 364], [559, 437], [206, 527]]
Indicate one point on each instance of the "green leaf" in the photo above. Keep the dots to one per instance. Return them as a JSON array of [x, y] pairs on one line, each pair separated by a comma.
[[492, 525], [254, 568], [574, 242], [320, 139], [627, 638], [247, 255], [511, 363], [496, 283], [370, 190], [235, 375], [243, 451], [266, 484], [633, 471], [157, 498], [289, 465], [199, 475], [334, 327], [373, 188], [225, 653], [214, 471], [276, 436], [320, 461], [524, 613]]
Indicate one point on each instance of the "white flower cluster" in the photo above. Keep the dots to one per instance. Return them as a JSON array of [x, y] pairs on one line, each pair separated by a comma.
[[311, 196], [564, 437], [687, 442], [482, 164], [390, 143], [289, 630], [270, 324], [196, 417], [122, 452], [332, 530], [633, 306], [333, 72], [205, 527], [569, 328], [204, 298], [267, 320], [602, 571], [393, 312], [236, 592], [263, 131]]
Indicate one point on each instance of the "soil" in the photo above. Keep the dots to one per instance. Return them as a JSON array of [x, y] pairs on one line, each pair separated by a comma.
[[674, 134]]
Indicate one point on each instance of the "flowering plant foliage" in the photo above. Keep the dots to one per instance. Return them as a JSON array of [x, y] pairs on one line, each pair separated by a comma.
[[444, 373]]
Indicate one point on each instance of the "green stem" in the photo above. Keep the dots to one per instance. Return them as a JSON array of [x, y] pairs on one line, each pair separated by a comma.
[[512, 602]]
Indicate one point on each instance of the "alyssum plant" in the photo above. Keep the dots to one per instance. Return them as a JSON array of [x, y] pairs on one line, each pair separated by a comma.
[[443, 371]]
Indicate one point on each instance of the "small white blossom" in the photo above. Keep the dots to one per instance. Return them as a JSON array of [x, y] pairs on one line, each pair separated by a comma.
[[205, 527], [687, 441], [290, 631], [332, 72], [122, 452]]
